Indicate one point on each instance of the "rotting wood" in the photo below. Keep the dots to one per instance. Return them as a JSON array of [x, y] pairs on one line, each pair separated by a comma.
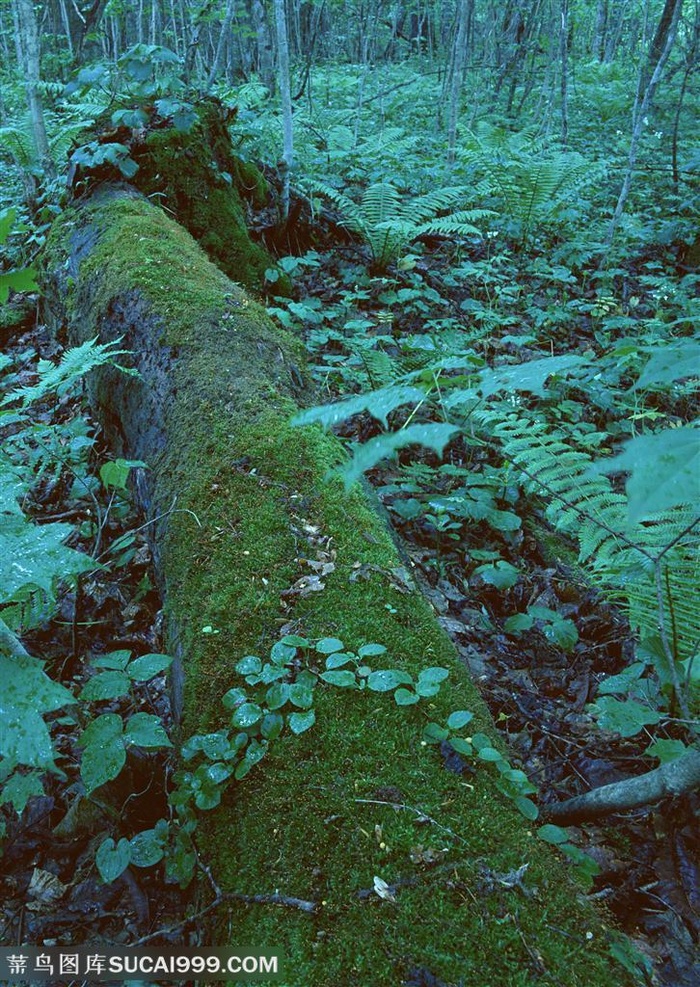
[[209, 415]]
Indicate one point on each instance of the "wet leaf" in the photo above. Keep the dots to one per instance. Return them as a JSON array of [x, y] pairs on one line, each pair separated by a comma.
[[112, 859]]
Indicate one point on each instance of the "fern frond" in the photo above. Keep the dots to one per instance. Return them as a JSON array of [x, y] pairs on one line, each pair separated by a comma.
[[62, 142], [387, 222], [461, 223], [381, 202], [625, 558], [391, 142], [381, 370], [18, 141], [497, 142], [350, 210], [522, 169], [74, 364], [423, 207]]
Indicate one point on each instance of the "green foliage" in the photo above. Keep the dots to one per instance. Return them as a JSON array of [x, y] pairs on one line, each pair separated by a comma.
[[512, 782], [664, 470], [555, 628], [94, 154], [18, 279], [33, 558], [145, 83], [641, 548], [388, 223], [17, 140], [627, 555], [106, 740], [121, 673], [145, 74], [280, 696], [28, 695], [35, 563], [531, 180], [59, 378]]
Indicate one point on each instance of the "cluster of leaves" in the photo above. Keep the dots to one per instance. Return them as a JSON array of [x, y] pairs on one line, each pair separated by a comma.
[[388, 223], [17, 278], [278, 697], [145, 81], [36, 563], [631, 543]]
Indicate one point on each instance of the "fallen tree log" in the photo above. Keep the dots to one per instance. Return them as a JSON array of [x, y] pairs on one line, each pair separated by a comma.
[[322, 818]]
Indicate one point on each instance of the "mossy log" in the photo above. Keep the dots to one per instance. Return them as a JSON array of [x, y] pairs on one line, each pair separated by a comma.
[[196, 176], [358, 796]]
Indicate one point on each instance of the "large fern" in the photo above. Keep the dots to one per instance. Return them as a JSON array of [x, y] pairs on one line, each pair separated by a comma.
[[530, 178], [651, 565], [17, 140], [387, 222]]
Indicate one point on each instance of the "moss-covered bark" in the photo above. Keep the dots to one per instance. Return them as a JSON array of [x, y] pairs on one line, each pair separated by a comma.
[[210, 414], [198, 178]]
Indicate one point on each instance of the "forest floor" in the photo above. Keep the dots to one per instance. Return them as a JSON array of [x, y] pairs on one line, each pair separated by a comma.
[[647, 867]]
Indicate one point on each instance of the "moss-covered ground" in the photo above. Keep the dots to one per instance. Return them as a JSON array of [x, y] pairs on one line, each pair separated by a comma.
[[296, 824]]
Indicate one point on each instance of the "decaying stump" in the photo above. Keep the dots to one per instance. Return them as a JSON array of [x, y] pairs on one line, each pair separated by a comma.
[[358, 797], [196, 176]]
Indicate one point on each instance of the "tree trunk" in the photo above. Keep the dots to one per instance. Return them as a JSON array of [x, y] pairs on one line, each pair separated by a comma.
[[28, 45], [88, 23], [458, 60], [564, 69], [264, 45], [650, 77], [66, 26], [257, 543], [287, 162], [224, 37]]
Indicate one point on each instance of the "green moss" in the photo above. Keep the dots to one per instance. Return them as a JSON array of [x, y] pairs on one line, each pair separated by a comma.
[[260, 505], [556, 548], [198, 178], [250, 182], [298, 826]]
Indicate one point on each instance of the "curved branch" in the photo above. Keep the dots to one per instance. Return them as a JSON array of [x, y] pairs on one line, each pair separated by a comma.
[[673, 779]]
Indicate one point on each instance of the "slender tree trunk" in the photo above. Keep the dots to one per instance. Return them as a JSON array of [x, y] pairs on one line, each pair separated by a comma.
[[154, 22], [195, 38], [66, 26], [690, 65], [5, 33], [17, 35], [88, 23], [458, 60], [222, 44], [601, 27], [28, 46], [115, 38], [564, 69], [264, 45], [176, 34], [311, 46], [616, 20], [651, 71], [287, 162]]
